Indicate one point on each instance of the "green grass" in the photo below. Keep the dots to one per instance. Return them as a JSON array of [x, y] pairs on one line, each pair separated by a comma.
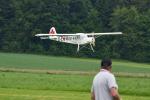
[[24, 61], [45, 81], [78, 83], [39, 86], [28, 86], [22, 94]]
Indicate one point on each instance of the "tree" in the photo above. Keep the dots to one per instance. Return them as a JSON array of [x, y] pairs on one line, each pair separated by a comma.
[[131, 44]]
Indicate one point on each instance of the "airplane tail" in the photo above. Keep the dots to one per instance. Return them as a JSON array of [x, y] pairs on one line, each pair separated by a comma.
[[52, 31]]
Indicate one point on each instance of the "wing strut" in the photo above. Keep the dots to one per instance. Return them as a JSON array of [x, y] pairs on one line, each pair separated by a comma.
[[92, 47], [78, 48]]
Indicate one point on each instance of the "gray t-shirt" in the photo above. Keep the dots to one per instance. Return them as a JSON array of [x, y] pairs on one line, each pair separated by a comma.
[[102, 83]]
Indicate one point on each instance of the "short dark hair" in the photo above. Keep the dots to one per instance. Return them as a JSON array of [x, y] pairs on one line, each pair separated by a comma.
[[106, 62]]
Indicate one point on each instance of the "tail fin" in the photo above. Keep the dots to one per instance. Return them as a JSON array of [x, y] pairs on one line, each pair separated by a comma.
[[52, 31]]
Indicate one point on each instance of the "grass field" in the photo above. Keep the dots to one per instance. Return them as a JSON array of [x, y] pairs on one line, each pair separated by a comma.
[[24, 61], [64, 87], [44, 86], [15, 94]]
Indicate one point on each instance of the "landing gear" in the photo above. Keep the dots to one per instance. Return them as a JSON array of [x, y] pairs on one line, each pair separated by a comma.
[[85, 46], [78, 48], [92, 47]]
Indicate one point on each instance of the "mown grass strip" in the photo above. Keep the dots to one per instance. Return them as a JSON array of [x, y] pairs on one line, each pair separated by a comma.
[[24, 94], [63, 72], [78, 83], [8, 94], [29, 61]]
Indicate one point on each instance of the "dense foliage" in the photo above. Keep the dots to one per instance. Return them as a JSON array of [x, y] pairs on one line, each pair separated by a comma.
[[20, 20]]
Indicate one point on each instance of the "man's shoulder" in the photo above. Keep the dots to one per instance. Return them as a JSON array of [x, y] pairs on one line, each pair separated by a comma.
[[107, 74], [104, 75]]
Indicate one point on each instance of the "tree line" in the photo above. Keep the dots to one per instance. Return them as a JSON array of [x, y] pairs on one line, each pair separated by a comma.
[[20, 20]]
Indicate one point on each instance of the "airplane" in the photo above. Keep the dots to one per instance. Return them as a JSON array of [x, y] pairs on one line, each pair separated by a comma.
[[79, 39]]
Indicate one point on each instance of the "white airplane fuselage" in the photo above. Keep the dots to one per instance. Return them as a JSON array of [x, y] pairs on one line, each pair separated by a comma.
[[80, 39]]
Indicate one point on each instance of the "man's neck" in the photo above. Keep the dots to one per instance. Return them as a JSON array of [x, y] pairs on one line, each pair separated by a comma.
[[107, 70]]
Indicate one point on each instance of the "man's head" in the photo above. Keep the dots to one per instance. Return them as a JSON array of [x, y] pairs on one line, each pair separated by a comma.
[[106, 63]]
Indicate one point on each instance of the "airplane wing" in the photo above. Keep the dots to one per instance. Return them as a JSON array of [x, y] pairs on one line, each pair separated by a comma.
[[78, 34], [99, 34], [57, 35]]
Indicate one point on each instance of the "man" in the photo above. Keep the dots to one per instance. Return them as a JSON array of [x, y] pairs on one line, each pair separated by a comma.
[[104, 84]]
